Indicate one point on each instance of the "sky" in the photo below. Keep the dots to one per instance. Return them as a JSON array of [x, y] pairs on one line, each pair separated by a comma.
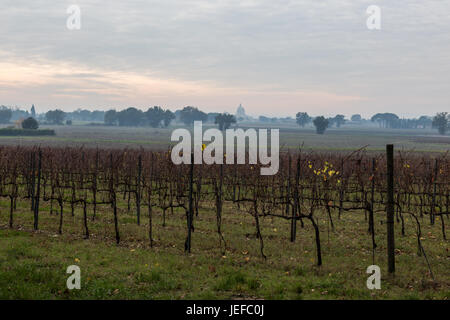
[[276, 58]]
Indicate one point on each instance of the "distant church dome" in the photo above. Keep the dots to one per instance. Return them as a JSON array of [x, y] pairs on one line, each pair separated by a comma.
[[240, 112]]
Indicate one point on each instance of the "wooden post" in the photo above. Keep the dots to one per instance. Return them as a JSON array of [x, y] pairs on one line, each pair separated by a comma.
[[33, 179], [138, 191], [86, 229], [288, 189], [219, 209], [191, 209], [11, 211], [371, 213], [341, 191], [113, 198], [295, 207], [150, 213], [390, 208], [94, 189], [36, 202], [433, 197]]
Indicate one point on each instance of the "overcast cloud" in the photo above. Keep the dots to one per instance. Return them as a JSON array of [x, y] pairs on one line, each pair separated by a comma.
[[274, 57]]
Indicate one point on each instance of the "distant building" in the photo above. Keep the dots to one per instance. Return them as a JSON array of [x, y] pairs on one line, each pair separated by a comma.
[[240, 114]]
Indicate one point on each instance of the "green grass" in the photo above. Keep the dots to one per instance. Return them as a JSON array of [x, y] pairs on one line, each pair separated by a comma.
[[33, 264]]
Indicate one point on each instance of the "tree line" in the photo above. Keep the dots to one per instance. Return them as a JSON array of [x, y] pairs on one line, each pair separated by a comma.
[[157, 117], [441, 121], [154, 117]]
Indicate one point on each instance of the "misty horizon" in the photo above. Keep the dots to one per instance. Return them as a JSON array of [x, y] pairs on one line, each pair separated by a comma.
[[255, 116], [275, 59]]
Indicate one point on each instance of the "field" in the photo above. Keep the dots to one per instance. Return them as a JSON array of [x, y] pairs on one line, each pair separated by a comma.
[[33, 264], [242, 251], [347, 138]]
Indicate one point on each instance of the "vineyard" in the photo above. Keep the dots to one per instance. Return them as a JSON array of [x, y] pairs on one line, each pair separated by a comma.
[[142, 185]]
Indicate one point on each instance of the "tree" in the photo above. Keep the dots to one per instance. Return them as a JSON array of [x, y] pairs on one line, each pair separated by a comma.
[[331, 122], [264, 119], [155, 116], [212, 116], [130, 117], [168, 117], [339, 120], [321, 124], [18, 114], [224, 120], [190, 114], [5, 114], [97, 115], [386, 120], [30, 123], [55, 116], [33, 111], [440, 122], [356, 118], [302, 119], [86, 115], [110, 118], [425, 121], [83, 115]]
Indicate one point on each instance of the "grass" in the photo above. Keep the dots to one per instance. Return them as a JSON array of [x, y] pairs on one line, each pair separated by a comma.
[[33, 264], [291, 136]]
